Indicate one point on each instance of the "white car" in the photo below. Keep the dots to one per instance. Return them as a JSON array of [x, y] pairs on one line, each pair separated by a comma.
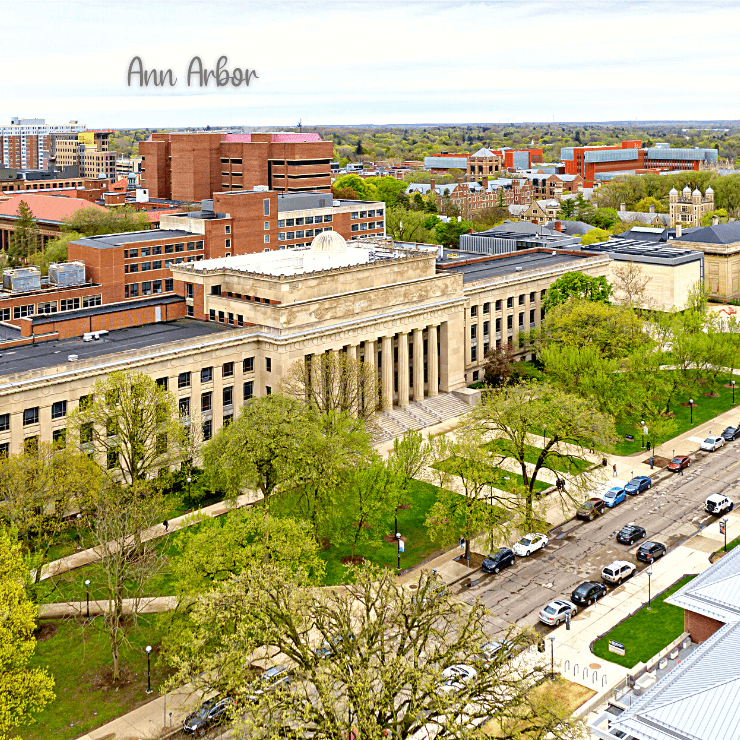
[[455, 676], [530, 543], [554, 613], [710, 444], [618, 571]]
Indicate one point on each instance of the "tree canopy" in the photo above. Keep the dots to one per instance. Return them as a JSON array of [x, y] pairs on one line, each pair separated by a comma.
[[577, 284]]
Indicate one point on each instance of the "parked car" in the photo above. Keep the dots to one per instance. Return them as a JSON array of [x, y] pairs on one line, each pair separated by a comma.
[[614, 496], [680, 462], [731, 434], [455, 676], [587, 593], [649, 551], [491, 650], [618, 571], [630, 533], [718, 503], [277, 677], [554, 613], [329, 648], [638, 484], [498, 560], [209, 714], [591, 508], [530, 543], [710, 444]]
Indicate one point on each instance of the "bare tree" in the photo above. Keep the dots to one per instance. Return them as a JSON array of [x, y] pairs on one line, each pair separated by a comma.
[[335, 382], [630, 285]]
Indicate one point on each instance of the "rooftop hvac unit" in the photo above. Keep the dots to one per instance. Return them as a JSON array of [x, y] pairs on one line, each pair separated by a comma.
[[22, 279], [67, 273]]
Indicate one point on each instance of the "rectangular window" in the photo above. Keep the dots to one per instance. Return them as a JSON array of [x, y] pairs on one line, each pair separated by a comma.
[[58, 409], [474, 331], [486, 325], [47, 307], [281, 223], [188, 290], [146, 288], [248, 365], [542, 314], [212, 314], [21, 311], [169, 248], [4, 449], [134, 290], [157, 286], [189, 311], [163, 382], [228, 395], [31, 445], [206, 401], [183, 380], [521, 318], [498, 305], [290, 222], [4, 422], [486, 308], [532, 297], [227, 243], [183, 407], [132, 268], [89, 301], [133, 253], [510, 302], [227, 370], [531, 316], [157, 250], [206, 375], [542, 294], [509, 322], [327, 218], [180, 247], [309, 219], [207, 429], [474, 310], [31, 416], [266, 206], [146, 251], [474, 353], [169, 285], [267, 239], [268, 364], [146, 266], [4, 314], [248, 390], [281, 236], [59, 437], [268, 390], [521, 299], [157, 265]]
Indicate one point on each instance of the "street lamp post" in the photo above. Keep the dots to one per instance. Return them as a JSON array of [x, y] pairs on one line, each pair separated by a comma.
[[650, 576], [691, 408], [724, 530], [398, 552], [552, 658], [733, 392], [642, 424], [87, 596], [189, 479], [148, 649]]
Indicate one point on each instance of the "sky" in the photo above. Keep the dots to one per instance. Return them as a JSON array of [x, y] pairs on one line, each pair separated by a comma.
[[343, 62]]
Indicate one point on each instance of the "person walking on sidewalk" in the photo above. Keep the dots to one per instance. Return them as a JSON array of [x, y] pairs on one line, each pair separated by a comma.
[[462, 542], [614, 468], [166, 525]]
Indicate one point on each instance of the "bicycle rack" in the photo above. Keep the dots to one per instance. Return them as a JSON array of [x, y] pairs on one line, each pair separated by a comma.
[[575, 669], [584, 675], [566, 667], [595, 677], [603, 678]]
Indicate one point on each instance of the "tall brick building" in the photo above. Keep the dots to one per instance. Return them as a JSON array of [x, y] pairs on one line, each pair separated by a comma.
[[192, 167], [26, 142]]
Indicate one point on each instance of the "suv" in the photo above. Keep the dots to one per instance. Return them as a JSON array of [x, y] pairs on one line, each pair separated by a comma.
[[649, 551], [591, 509], [730, 434], [718, 504], [630, 533], [638, 484], [498, 560], [554, 613], [277, 677], [210, 713], [618, 571], [588, 592]]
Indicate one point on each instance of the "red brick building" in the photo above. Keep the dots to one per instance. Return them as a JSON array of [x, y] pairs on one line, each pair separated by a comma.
[[192, 167]]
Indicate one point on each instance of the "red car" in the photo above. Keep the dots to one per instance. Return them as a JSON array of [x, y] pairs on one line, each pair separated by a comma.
[[679, 463]]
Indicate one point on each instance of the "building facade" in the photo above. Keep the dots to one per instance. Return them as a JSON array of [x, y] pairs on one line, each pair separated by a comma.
[[688, 208], [26, 142]]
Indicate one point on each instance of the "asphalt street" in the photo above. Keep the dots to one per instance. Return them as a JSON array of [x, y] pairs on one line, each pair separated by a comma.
[[670, 511]]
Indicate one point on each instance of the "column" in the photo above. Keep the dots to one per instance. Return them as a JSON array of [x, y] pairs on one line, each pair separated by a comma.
[[403, 368], [432, 364], [351, 351], [387, 372], [444, 360], [418, 365], [371, 361]]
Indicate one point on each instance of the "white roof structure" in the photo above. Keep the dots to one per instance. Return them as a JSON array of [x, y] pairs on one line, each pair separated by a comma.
[[714, 593], [483, 152], [697, 700]]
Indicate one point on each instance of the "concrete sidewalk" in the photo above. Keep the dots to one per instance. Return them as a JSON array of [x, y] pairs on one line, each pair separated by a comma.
[[144, 605], [91, 555]]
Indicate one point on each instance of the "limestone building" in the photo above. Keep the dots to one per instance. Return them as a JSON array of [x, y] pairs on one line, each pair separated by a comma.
[[424, 323], [688, 208]]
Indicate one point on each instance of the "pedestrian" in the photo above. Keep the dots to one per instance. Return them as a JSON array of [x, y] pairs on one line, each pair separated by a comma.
[[166, 525], [680, 470], [614, 468], [462, 542]]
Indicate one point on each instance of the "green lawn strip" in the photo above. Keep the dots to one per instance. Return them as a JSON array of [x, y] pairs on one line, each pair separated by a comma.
[[70, 586], [497, 477], [705, 408], [532, 454], [646, 632], [80, 661]]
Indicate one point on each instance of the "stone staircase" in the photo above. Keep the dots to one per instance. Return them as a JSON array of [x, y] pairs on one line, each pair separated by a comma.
[[417, 415]]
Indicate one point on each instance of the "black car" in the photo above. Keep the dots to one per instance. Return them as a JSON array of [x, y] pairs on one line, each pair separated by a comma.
[[649, 551], [498, 560], [730, 434], [630, 533], [588, 592], [209, 714]]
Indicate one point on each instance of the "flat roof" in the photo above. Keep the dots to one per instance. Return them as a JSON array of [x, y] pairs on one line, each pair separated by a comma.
[[48, 354], [107, 241], [496, 266], [641, 250]]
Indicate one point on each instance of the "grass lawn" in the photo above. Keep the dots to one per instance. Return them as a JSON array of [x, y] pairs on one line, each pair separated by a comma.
[[532, 453], [80, 663], [645, 633], [705, 408], [561, 696]]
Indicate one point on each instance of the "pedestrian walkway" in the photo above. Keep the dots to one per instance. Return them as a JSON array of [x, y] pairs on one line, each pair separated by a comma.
[[91, 555], [96, 607]]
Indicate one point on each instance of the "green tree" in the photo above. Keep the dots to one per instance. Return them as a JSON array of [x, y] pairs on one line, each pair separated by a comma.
[[643, 205], [359, 148], [92, 221], [594, 235], [24, 691], [54, 251], [577, 285], [364, 188], [25, 239], [603, 218], [409, 460], [567, 209], [720, 213], [514, 416], [387, 189], [448, 234]]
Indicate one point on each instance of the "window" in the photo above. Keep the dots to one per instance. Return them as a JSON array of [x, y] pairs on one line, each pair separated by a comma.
[[146, 288], [532, 297], [133, 252], [4, 314], [157, 286], [486, 325], [4, 422], [4, 449], [111, 458], [206, 375], [31, 416], [169, 285], [248, 365], [521, 299], [268, 364], [531, 316], [58, 409], [189, 311], [355, 227], [486, 308], [281, 237], [227, 370], [157, 250], [309, 219], [542, 313], [21, 311], [498, 305], [59, 437], [266, 206], [355, 214], [132, 268], [510, 302], [474, 331], [180, 247], [157, 265], [267, 239], [48, 307], [163, 382], [183, 407], [542, 294], [327, 218], [199, 244], [268, 390], [169, 248], [207, 429], [188, 290], [474, 310], [31, 445], [474, 353], [206, 401], [290, 222], [248, 390], [89, 301], [509, 322], [521, 318], [134, 290], [228, 395], [227, 243], [183, 380]]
